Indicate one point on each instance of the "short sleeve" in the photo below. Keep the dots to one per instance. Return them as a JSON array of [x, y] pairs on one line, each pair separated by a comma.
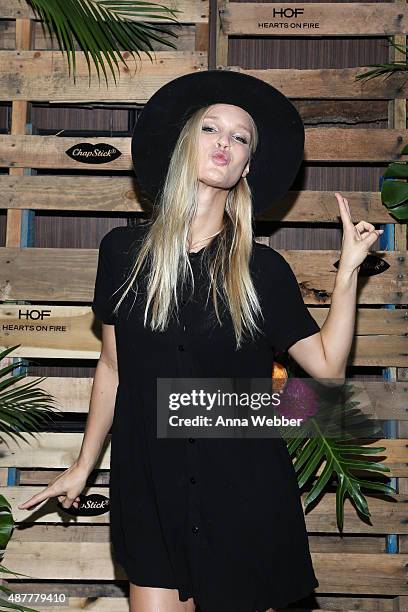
[[103, 300], [290, 319]]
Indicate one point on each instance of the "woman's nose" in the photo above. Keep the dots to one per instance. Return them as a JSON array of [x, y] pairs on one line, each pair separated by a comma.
[[223, 141]]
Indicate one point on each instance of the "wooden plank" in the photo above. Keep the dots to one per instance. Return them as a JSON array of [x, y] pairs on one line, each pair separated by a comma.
[[43, 532], [221, 39], [192, 11], [349, 604], [50, 152], [60, 450], [330, 83], [322, 144], [302, 84], [94, 532], [73, 394], [388, 515], [378, 574], [19, 116], [328, 543], [60, 561], [31, 477], [202, 36], [42, 41], [118, 194], [319, 207], [48, 450], [185, 40], [60, 333], [79, 604], [374, 351], [43, 76], [27, 275], [314, 19], [92, 193]]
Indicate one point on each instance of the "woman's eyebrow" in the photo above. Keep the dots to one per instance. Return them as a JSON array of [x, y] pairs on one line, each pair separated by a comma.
[[241, 125]]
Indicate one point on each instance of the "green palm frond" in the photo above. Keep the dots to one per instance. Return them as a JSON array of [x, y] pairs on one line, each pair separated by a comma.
[[8, 604], [386, 69], [104, 29], [330, 438], [21, 406]]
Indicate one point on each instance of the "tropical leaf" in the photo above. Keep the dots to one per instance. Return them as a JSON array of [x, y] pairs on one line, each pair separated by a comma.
[[6, 523], [386, 69], [8, 604], [21, 406], [104, 29], [329, 437]]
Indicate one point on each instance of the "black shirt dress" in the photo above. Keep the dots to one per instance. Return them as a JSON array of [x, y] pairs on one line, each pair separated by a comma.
[[219, 519]]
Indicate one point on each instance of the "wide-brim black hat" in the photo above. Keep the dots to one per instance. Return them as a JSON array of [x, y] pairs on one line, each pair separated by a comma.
[[279, 153]]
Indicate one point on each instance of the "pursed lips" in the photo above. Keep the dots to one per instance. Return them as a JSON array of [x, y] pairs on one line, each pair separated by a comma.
[[222, 157]]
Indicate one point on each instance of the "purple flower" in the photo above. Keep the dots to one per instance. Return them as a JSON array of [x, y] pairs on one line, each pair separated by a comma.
[[298, 400]]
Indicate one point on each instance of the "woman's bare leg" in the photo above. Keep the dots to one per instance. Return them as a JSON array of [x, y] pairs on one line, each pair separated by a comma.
[[157, 599]]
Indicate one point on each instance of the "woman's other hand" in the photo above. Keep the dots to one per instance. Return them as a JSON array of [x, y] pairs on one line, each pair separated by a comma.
[[66, 486], [357, 239]]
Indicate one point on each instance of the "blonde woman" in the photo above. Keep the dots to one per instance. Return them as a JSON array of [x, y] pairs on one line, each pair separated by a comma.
[[211, 523]]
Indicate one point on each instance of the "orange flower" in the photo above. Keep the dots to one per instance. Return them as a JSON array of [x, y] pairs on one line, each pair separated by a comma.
[[279, 376]]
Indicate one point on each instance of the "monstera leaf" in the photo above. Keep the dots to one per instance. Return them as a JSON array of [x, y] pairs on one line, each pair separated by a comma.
[[331, 436], [394, 188]]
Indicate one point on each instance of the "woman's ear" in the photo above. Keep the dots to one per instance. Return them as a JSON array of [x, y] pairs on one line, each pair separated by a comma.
[[245, 171]]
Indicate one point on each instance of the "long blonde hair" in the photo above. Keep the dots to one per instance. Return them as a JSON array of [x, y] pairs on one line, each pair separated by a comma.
[[163, 248]]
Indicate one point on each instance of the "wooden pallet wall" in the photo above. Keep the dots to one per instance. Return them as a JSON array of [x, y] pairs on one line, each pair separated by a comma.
[[354, 572]]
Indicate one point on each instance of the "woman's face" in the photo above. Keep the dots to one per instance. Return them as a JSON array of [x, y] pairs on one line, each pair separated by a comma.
[[224, 146]]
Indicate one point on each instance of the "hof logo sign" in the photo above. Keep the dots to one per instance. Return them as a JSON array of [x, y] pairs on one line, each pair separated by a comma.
[[288, 17], [33, 320], [34, 314]]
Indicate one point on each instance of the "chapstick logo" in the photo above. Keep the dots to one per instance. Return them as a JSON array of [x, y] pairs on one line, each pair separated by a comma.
[[90, 505], [88, 153]]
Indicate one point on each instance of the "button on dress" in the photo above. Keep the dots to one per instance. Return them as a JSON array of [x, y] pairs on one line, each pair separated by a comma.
[[219, 519]]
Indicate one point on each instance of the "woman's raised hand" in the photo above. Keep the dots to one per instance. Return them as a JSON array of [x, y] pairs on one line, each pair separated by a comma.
[[357, 239], [66, 486]]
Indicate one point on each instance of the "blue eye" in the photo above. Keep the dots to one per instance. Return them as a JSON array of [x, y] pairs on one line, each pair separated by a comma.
[[240, 138]]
